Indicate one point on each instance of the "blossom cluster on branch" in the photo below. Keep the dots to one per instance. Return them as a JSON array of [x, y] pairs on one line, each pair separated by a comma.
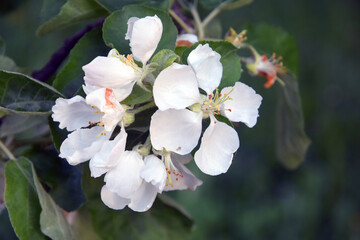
[[186, 96]]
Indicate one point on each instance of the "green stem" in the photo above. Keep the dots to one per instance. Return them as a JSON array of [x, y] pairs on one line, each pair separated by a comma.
[[143, 108], [6, 151], [198, 24], [180, 21], [212, 14]]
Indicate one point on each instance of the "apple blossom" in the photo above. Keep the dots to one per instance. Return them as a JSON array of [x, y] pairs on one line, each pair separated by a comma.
[[267, 67], [118, 72], [177, 88]]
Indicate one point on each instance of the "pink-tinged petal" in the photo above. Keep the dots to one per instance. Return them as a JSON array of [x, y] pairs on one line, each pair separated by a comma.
[[143, 198], [112, 200], [182, 178], [104, 99], [144, 35], [207, 66], [109, 155], [217, 148], [243, 105], [109, 72], [83, 144], [154, 172], [73, 113], [176, 87], [192, 38], [175, 130], [125, 178]]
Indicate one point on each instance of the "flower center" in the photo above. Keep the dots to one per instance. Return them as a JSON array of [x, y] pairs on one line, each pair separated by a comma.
[[171, 171], [128, 60], [212, 103]]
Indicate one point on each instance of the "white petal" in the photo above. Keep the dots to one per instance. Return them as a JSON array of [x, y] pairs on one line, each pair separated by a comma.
[[143, 198], [109, 155], [154, 172], [125, 178], [112, 200], [97, 98], [73, 113], [175, 130], [113, 53], [130, 24], [83, 144], [105, 101], [88, 88], [144, 35], [182, 179], [123, 92], [217, 148], [207, 66], [176, 87], [188, 37], [243, 105], [109, 72]]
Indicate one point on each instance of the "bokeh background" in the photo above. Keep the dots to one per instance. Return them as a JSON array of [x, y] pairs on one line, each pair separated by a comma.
[[258, 198]]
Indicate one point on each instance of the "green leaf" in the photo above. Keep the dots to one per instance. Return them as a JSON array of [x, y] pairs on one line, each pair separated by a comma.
[[8, 64], [62, 181], [22, 94], [13, 124], [162, 221], [268, 39], [137, 96], [224, 4], [229, 60], [113, 5], [52, 220], [180, 50], [164, 59], [115, 28], [2, 185], [82, 226], [70, 77], [58, 135], [224, 119], [21, 200], [23, 193], [292, 142], [73, 12], [235, 4], [2, 46]]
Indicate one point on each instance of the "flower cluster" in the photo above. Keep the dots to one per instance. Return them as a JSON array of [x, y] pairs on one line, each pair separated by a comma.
[[185, 95]]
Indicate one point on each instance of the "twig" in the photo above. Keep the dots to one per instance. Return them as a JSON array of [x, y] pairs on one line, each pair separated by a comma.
[[6, 151]]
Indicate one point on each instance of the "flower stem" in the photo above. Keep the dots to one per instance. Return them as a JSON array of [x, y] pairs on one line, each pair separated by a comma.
[[7, 151], [198, 24], [180, 21], [144, 107], [212, 15]]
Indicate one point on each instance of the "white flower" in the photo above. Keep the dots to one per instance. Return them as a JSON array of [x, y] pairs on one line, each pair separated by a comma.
[[176, 128], [267, 67], [144, 35], [100, 110], [134, 182], [118, 72]]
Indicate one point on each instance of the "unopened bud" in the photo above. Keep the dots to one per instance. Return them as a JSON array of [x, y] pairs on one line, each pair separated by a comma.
[[128, 119]]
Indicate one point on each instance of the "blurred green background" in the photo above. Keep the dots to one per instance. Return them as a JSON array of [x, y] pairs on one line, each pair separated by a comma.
[[258, 198]]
